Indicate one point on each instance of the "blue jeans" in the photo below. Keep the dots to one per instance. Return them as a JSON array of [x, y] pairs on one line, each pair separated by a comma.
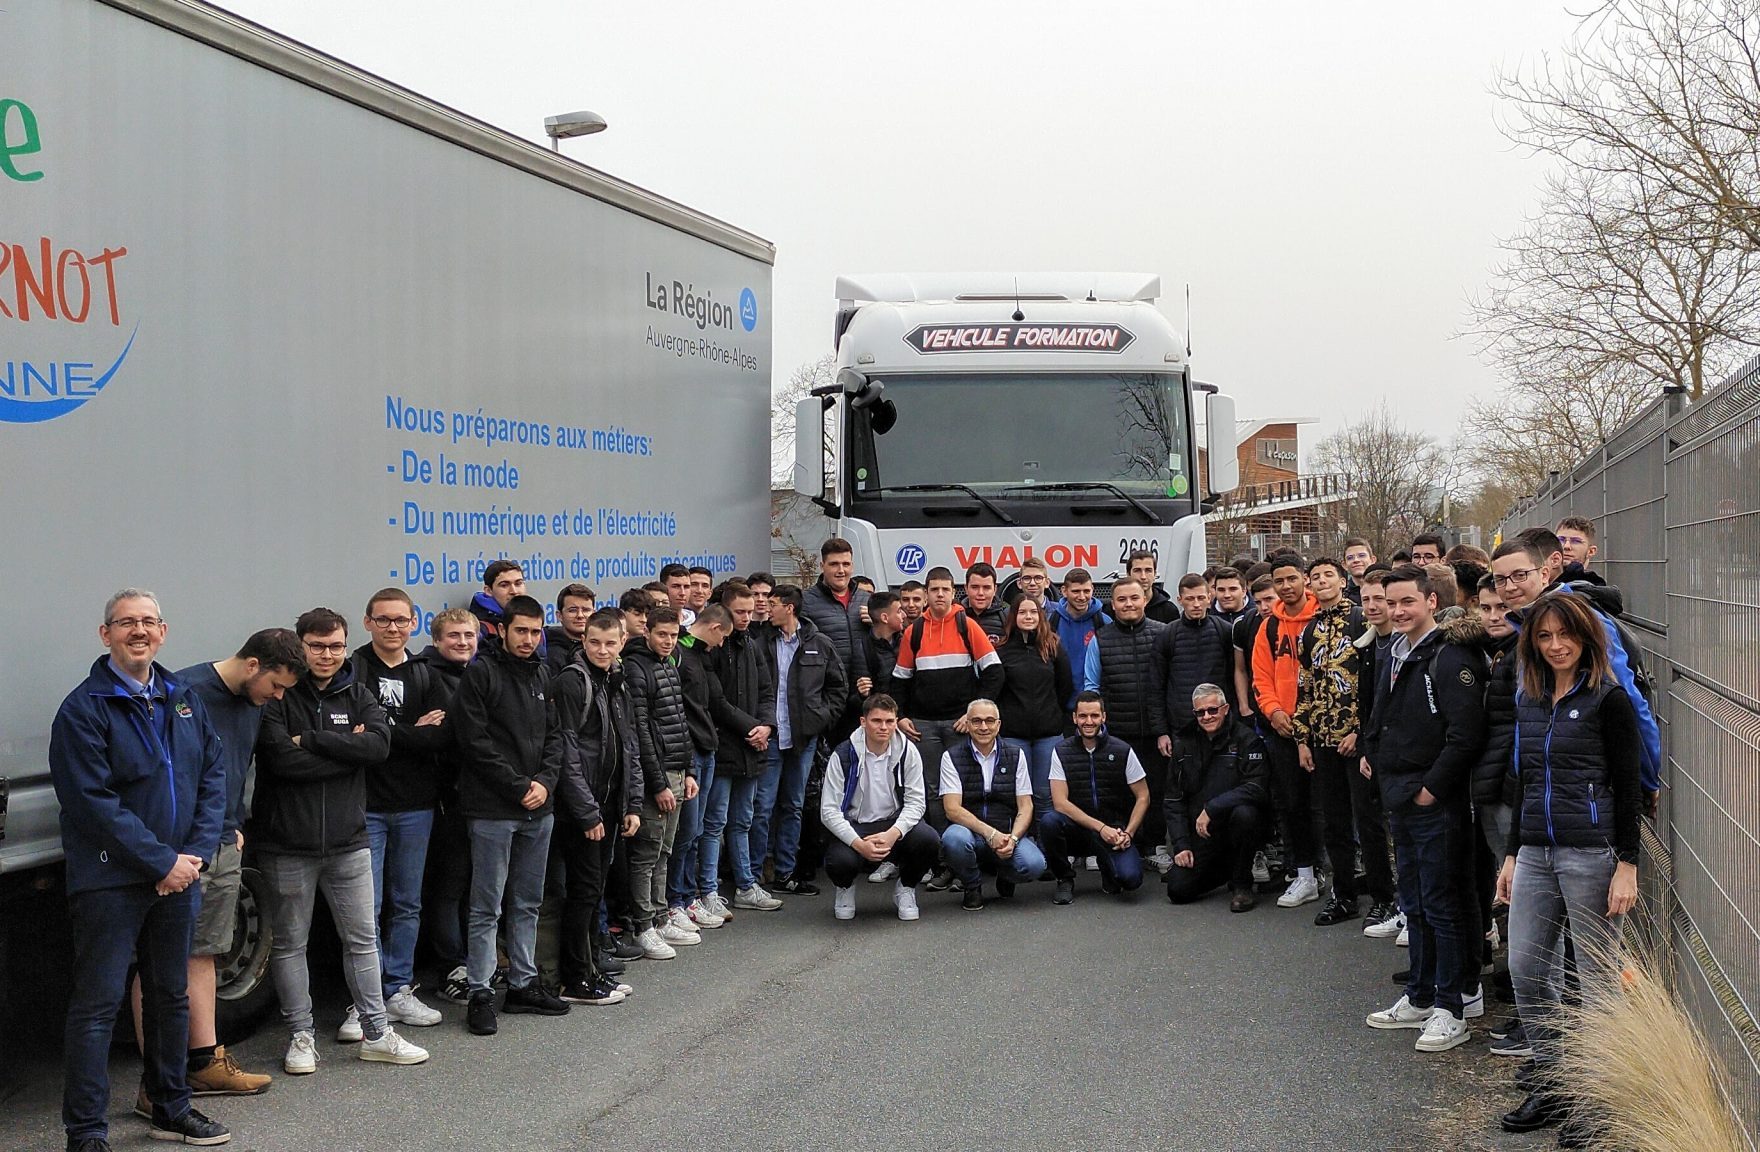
[[1039, 767], [970, 858], [1064, 838], [399, 841], [111, 926], [730, 812], [1431, 852], [1553, 886], [681, 870], [782, 787], [508, 859]]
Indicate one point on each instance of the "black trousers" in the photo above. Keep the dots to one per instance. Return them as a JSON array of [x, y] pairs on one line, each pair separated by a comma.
[[1153, 829], [1292, 793], [914, 854], [1225, 855], [1349, 809], [585, 866], [810, 855]]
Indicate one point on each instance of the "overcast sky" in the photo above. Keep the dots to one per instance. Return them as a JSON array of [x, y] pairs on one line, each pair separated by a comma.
[[1329, 178]]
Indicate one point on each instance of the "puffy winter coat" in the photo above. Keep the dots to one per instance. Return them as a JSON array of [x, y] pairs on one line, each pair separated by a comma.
[[656, 693], [1124, 660]]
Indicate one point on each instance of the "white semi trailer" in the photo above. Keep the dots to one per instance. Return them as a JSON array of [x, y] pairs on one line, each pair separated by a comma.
[[993, 418], [275, 333]]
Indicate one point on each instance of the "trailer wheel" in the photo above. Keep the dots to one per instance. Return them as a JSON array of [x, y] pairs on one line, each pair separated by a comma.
[[243, 991]]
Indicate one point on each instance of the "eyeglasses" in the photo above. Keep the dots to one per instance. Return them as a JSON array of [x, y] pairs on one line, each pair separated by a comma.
[[336, 649], [1519, 576], [986, 720], [1573, 540], [391, 621], [1217, 711], [130, 623]]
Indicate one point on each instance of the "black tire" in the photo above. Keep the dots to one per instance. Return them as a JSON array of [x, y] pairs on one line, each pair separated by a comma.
[[244, 994]]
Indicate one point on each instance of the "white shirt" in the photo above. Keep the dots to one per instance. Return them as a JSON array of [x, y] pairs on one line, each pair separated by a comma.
[[951, 785], [1133, 769], [875, 797]]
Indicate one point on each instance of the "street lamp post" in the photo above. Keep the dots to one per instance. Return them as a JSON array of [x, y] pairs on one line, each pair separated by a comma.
[[559, 128]]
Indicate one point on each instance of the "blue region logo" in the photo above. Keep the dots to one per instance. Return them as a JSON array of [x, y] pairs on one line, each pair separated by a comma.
[[748, 309], [910, 559], [31, 393]]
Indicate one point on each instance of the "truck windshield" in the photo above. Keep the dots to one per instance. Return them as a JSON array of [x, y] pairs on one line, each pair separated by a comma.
[[997, 430]]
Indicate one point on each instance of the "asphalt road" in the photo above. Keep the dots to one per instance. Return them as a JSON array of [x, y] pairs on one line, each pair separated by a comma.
[[1107, 1023]]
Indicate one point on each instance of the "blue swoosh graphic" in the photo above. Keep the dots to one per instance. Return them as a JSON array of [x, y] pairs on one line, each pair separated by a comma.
[[36, 411]]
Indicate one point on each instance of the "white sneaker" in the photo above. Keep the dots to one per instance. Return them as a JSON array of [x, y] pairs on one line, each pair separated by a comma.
[[844, 907], [1382, 929], [1401, 1015], [700, 914], [653, 947], [1443, 1031], [1301, 890], [1473, 1006], [906, 901], [1495, 937], [1261, 869], [302, 1055], [390, 1048], [402, 1007], [882, 874], [1161, 861], [678, 937], [756, 899], [1091, 864], [349, 1031], [1405, 937], [714, 903]]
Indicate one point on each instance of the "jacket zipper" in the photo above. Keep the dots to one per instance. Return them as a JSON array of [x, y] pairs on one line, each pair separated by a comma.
[[1594, 812], [1546, 761], [165, 754]]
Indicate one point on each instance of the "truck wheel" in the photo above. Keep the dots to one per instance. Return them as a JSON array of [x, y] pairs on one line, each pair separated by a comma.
[[244, 994]]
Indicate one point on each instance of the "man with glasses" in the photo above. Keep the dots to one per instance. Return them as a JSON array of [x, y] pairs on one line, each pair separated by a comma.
[[987, 793], [141, 778], [1033, 580], [1576, 541], [1427, 549], [310, 823], [574, 604], [1218, 791], [402, 792]]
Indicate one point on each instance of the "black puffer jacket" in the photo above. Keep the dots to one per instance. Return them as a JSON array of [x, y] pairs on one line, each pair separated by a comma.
[[747, 700], [311, 798], [1189, 653], [1215, 774], [1135, 706], [1493, 775], [1033, 690], [656, 691], [992, 620], [817, 687], [507, 736], [602, 771], [1096, 778], [841, 624]]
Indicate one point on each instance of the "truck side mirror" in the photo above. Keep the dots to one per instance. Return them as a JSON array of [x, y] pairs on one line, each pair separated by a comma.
[[809, 447], [1222, 470]]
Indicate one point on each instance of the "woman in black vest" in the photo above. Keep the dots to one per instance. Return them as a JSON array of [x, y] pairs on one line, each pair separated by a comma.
[[1572, 855], [1037, 691]]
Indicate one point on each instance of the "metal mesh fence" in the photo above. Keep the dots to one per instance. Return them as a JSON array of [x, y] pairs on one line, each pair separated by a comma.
[[1675, 496]]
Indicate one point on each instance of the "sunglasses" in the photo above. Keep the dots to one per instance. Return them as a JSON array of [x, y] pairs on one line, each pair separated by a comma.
[[1217, 711]]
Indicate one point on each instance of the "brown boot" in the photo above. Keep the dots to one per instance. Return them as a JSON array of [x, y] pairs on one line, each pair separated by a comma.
[[223, 1077], [1243, 900]]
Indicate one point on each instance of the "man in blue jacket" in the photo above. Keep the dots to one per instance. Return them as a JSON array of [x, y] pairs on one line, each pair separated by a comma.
[[141, 779]]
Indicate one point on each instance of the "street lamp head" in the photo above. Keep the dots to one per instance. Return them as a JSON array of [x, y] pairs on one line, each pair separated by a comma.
[[573, 124]]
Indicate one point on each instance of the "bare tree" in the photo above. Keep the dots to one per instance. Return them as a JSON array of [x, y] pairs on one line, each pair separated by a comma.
[[1393, 477], [800, 382], [1665, 93]]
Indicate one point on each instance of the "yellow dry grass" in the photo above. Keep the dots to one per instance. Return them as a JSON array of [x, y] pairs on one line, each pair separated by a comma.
[[1631, 1057]]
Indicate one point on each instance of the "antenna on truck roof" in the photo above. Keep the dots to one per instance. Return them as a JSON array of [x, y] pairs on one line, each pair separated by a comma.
[[1018, 314], [1188, 321]]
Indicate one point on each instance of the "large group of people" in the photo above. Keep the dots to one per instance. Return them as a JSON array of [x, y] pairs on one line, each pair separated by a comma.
[[1449, 734]]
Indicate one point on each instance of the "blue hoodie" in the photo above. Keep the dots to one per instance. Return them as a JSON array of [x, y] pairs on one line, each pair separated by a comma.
[[1076, 635], [139, 782]]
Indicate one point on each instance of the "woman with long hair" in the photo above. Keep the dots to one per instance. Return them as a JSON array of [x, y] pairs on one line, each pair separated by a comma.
[[1572, 855], [1037, 689]]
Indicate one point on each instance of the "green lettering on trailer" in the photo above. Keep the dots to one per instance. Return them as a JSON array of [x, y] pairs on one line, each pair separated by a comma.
[[28, 141]]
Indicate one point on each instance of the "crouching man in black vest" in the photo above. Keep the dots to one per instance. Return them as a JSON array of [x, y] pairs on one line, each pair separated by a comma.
[[1218, 792], [873, 805], [987, 793], [1099, 796]]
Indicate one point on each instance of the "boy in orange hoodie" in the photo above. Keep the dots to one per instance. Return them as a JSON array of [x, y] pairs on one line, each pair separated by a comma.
[[1276, 672]]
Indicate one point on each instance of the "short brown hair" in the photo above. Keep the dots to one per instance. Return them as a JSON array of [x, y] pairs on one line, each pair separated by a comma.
[[878, 702], [836, 546], [1581, 523], [1078, 576], [1035, 564], [1192, 580], [396, 595]]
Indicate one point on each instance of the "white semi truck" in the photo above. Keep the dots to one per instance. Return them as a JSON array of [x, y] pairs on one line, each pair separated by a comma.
[[275, 333], [993, 418]]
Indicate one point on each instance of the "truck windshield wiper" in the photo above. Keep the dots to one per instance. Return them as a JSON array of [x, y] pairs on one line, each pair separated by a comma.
[[1099, 486], [966, 488]]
